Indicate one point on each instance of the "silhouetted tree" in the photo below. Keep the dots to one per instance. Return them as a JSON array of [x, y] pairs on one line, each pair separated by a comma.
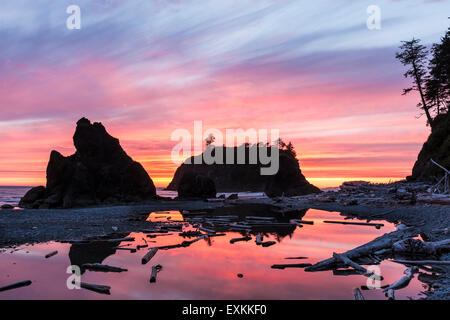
[[287, 147], [414, 55]]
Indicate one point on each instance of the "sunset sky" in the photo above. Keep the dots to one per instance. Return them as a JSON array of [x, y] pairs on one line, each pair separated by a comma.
[[311, 69]]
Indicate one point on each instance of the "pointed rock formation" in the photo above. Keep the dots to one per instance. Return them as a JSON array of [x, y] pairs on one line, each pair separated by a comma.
[[289, 180], [100, 172]]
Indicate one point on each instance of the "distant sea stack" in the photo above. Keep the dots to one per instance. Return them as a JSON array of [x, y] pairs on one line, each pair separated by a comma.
[[100, 172], [437, 147], [247, 177]]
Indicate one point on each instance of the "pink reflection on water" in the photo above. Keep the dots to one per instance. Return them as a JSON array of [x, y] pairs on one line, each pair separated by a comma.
[[208, 269]]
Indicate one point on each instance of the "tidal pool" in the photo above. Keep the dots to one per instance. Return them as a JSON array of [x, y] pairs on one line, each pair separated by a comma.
[[207, 269]]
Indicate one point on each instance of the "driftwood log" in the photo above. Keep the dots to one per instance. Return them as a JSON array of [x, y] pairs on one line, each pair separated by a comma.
[[376, 225], [96, 288], [403, 281], [150, 254], [155, 270], [268, 243], [15, 285], [259, 239], [51, 254], [132, 250], [357, 294], [189, 242], [207, 230], [382, 242], [295, 265], [342, 258], [390, 294], [102, 267], [416, 246], [423, 262], [247, 238], [300, 222]]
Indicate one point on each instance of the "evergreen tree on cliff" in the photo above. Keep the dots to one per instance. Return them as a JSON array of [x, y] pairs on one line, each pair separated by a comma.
[[437, 84], [414, 55]]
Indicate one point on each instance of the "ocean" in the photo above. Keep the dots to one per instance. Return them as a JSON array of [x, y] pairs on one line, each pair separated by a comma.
[[12, 195]]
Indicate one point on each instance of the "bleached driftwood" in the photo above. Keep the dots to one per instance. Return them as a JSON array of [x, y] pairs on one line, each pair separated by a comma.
[[15, 285], [403, 281], [247, 238], [102, 267], [357, 294], [423, 262], [150, 254], [382, 242], [416, 246], [345, 260], [189, 242]]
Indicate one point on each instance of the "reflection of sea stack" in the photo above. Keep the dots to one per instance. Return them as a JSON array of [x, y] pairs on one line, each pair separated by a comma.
[[437, 147], [247, 177], [94, 252], [100, 172]]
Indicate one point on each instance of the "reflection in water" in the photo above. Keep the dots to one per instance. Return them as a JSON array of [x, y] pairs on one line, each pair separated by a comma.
[[208, 268], [95, 252]]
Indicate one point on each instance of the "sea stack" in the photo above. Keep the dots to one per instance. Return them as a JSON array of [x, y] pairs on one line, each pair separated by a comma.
[[288, 181], [99, 172]]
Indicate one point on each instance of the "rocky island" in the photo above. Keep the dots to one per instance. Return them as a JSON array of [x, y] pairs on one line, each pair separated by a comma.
[[100, 172], [288, 181]]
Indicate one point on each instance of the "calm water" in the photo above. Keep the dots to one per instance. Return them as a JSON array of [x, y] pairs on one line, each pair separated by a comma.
[[207, 269], [12, 195]]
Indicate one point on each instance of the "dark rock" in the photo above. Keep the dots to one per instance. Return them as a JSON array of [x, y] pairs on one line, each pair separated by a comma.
[[7, 206], [233, 196], [289, 180], [32, 197], [100, 172], [193, 185], [437, 147]]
